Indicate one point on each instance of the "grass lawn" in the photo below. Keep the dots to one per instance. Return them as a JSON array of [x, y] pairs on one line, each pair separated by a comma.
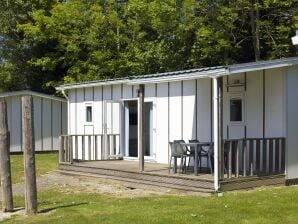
[[44, 164], [268, 205]]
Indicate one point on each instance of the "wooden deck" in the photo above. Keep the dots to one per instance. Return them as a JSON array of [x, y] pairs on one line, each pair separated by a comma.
[[157, 174]]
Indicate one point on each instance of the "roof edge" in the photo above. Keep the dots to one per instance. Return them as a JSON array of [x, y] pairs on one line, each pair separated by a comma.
[[31, 93]]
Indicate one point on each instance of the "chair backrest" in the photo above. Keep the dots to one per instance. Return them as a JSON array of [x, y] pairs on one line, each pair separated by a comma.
[[175, 148], [184, 149], [211, 148]]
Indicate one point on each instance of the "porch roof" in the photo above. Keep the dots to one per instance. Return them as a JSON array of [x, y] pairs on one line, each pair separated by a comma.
[[207, 72]]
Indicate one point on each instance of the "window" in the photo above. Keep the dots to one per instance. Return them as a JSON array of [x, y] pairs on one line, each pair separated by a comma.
[[89, 114], [236, 110]]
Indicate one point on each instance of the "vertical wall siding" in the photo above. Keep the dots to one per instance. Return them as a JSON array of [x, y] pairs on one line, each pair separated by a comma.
[[264, 103], [162, 135], [183, 110], [38, 123], [175, 107], [292, 123], [254, 104], [56, 123], [48, 123], [189, 110], [204, 112], [16, 125], [275, 105]]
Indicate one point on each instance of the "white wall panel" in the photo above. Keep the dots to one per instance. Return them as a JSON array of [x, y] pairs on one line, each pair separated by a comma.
[[292, 123], [150, 90], [16, 125], [189, 110], [73, 112], [37, 123], [204, 109], [46, 125], [254, 105], [116, 92], [64, 118], [97, 110], [274, 110], [175, 111], [80, 111], [88, 94], [127, 91], [162, 123], [56, 123]]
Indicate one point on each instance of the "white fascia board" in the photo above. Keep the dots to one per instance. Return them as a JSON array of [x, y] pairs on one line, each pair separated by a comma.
[[189, 76], [255, 66], [86, 85], [31, 93]]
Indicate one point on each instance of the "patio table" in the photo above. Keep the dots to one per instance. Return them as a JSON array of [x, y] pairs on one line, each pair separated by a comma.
[[197, 146]]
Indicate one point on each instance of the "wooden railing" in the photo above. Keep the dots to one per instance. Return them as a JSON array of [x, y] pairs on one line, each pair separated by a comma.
[[252, 157], [89, 147]]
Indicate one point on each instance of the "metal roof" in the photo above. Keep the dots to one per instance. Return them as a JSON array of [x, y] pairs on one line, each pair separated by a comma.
[[207, 72], [31, 93]]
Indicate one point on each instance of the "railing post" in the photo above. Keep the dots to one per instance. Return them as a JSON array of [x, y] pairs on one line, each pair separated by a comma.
[[237, 158], [258, 154], [95, 147], [283, 162], [76, 147], [271, 153], [244, 146], [251, 157], [222, 154], [83, 147], [89, 147], [61, 149], [70, 147], [264, 167], [230, 160]]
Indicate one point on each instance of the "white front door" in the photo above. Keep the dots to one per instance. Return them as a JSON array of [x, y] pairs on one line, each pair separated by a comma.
[[112, 124]]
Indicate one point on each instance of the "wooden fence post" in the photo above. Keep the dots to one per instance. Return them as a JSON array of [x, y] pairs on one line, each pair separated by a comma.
[[5, 171], [29, 155]]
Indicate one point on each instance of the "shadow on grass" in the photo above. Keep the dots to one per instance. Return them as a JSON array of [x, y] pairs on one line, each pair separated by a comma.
[[62, 206]]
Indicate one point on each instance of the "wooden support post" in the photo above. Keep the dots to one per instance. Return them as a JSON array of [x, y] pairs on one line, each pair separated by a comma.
[[141, 115], [29, 155], [5, 171]]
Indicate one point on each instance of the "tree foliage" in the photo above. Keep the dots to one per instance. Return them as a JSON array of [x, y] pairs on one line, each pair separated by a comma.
[[44, 43]]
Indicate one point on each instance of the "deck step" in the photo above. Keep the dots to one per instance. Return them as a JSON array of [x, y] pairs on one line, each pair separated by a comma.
[[178, 183]]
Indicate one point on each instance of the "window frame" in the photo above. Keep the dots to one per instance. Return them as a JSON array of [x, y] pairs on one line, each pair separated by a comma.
[[239, 96], [89, 104]]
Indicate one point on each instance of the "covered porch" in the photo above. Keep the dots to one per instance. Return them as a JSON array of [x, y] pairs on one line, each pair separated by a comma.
[[241, 112]]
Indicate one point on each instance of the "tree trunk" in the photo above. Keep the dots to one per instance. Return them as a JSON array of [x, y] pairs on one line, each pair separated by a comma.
[[5, 171], [29, 156], [254, 22]]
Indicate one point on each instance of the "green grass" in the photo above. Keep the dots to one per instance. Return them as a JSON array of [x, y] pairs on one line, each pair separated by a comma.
[[44, 164], [268, 205]]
